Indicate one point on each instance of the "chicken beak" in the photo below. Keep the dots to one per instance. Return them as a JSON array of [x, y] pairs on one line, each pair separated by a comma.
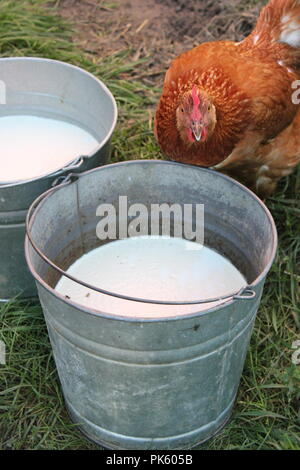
[[197, 129]]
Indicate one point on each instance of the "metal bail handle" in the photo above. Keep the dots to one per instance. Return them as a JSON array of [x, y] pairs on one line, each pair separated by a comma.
[[239, 296], [246, 293], [77, 163]]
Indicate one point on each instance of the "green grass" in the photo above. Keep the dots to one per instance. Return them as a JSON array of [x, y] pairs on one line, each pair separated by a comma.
[[32, 411]]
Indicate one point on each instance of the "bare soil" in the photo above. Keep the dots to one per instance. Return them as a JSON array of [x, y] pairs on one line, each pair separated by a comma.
[[210, 20], [157, 29]]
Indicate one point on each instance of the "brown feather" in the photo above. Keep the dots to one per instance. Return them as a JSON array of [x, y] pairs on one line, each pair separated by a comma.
[[250, 84]]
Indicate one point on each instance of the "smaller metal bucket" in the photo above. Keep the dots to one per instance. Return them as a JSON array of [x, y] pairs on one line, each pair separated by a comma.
[[163, 383], [48, 88]]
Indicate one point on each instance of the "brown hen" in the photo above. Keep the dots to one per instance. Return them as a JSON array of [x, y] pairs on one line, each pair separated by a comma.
[[235, 106]]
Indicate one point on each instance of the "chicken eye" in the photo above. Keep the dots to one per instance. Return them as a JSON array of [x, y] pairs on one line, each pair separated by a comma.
[[182, 110]]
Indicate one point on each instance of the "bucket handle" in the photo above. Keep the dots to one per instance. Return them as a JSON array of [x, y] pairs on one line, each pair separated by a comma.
[[76, 163], [72, 166], [246, 293]]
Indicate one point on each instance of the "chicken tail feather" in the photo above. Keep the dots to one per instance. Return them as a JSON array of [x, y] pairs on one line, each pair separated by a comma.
[[280, 22]]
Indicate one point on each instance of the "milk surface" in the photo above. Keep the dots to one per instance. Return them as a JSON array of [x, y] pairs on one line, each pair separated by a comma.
[[33, 146], [156, 268]]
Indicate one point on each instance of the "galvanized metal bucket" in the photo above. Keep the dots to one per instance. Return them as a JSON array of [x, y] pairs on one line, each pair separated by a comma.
[[167, 383], [54, 89]]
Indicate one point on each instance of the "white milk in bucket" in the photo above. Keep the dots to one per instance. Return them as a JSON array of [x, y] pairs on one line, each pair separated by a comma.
[[159, 268], [33, 146]]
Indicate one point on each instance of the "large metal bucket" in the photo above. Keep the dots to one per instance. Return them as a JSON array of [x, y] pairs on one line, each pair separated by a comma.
[[150, 384], [47, 88]]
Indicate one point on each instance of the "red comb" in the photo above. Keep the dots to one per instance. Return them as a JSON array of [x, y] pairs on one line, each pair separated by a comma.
[[195, 96], [196, 114]]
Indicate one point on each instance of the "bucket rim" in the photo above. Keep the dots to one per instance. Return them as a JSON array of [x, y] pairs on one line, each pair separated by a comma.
[[99, 145], [230, 298]]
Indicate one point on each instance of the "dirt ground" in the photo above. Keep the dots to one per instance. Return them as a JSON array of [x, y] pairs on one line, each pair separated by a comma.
[[159, 29]]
